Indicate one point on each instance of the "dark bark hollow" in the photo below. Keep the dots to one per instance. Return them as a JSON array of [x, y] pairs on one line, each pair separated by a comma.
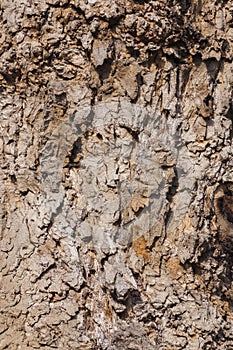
[[224, 211]]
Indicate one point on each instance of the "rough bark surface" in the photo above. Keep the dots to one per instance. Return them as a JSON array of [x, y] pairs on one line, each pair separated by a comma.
[[116, 174]]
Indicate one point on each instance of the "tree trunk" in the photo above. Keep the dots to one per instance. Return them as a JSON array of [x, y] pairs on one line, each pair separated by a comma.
[[116, 174]]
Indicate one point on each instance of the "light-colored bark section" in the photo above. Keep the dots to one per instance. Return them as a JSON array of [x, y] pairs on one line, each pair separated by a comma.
[[116, 175]]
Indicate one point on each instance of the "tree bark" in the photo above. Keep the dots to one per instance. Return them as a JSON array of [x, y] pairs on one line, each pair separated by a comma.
[[116, 174]]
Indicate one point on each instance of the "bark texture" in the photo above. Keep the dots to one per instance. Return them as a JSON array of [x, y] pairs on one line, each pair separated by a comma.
[[116, 174]]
